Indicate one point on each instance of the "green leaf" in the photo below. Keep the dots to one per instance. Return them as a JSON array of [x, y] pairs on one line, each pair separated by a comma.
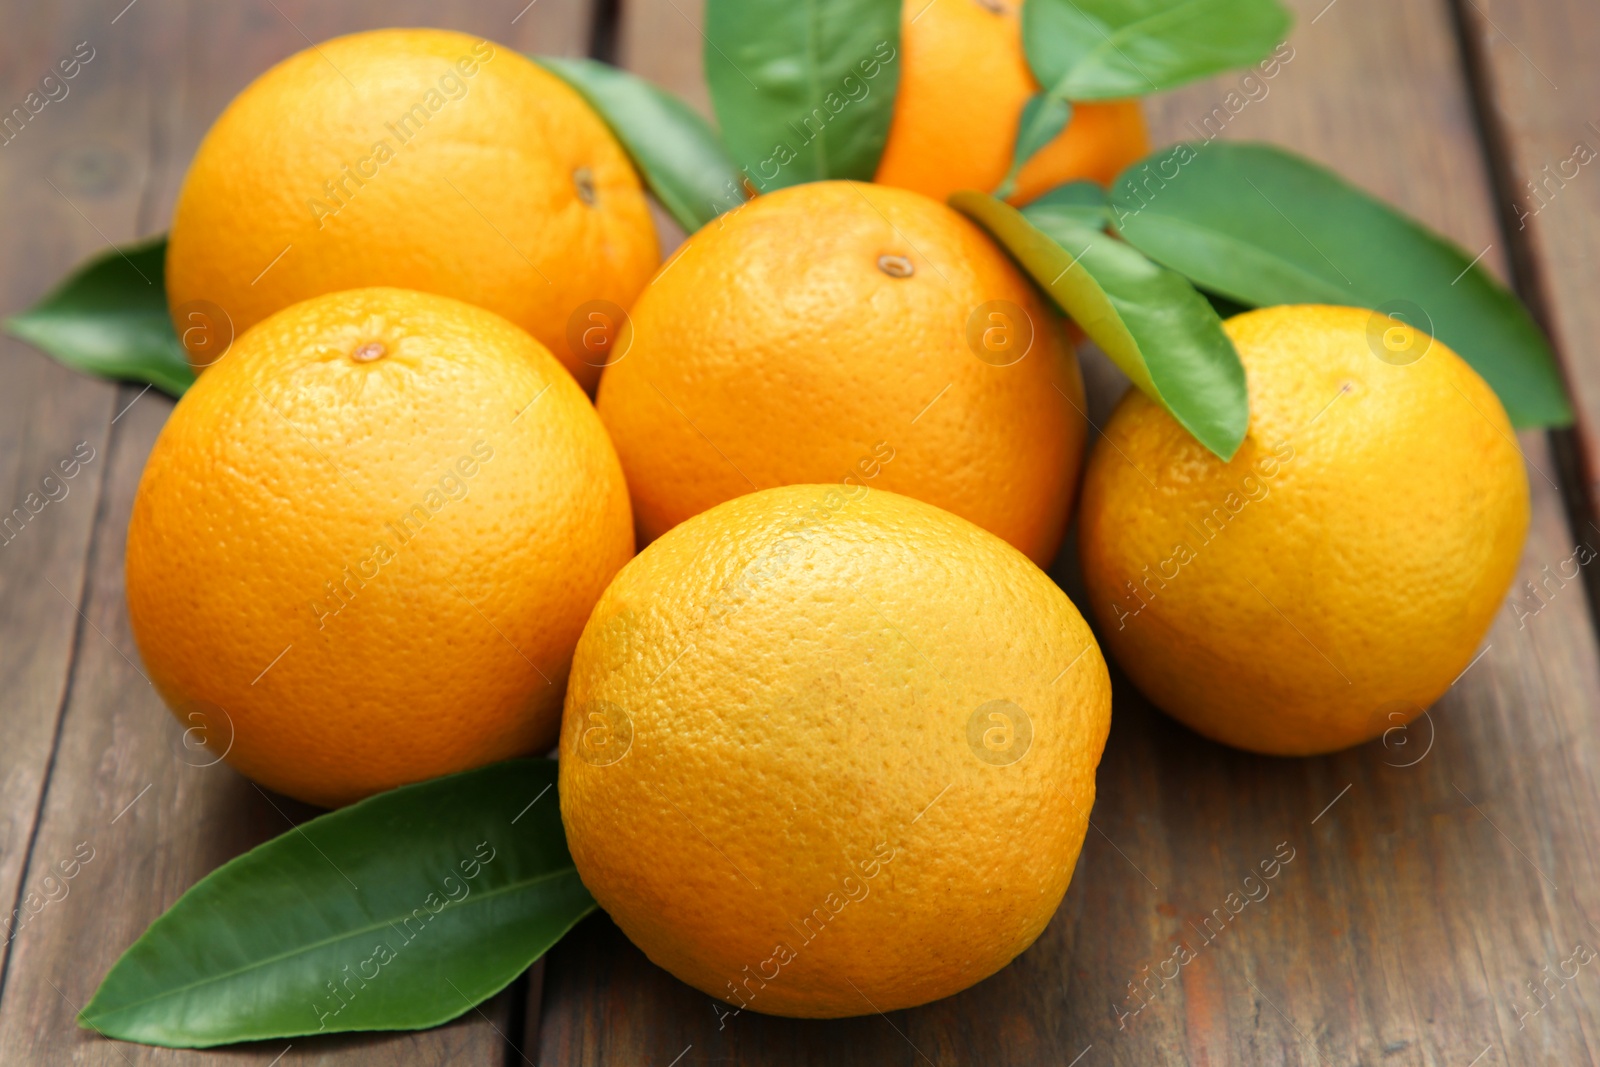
[[109, 317], [1079, 204], [1110, 49], [803, 89], [1263, 226], [1149, 320], [678, 153], [1225, 308], [399, 912], [1043, 117]]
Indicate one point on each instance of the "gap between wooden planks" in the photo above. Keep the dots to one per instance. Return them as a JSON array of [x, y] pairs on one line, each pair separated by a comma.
[[1423, 898], [78, 707]]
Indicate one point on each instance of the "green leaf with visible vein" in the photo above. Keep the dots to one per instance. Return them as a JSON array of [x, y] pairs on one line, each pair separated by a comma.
[[1111, 49], [1262, 226], [400, 912], [1043, 118], [109, 317], [803, 89], [682, 159], [1148, 319]]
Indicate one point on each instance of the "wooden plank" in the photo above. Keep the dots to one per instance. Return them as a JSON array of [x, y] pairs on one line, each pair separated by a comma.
[[662, 41], [124, 784], [1447, 880], [1535, 64], [1434, 877], [48, 414]]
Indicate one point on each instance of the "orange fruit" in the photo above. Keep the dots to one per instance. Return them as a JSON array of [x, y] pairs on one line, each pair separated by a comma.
[[806, 786], [366, 542], [963, 82], [845, 332], [422, 159], [1332, 580]]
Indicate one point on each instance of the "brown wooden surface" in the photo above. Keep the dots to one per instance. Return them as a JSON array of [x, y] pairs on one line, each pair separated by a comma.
[[1408, 924], [1540, 93], [117, 147], [1447, 873]]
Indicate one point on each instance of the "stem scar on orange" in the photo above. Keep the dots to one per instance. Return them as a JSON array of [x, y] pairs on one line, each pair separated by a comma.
[[421, 159], [851, 333], [366, 541]]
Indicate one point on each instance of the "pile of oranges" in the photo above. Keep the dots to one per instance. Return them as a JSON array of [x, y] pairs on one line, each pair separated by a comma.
[[828, 741]]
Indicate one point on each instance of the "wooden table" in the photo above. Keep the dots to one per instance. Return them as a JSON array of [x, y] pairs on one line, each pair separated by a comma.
[[1436, 879]]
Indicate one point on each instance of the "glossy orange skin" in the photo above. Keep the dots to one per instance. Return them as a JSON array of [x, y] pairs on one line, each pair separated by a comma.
[[831, 751], [366, 541], [777, 347], [422, 159], [963, 82], [1330, 581]]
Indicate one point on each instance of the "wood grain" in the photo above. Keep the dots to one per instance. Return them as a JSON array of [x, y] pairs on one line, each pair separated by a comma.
[[46, 411], [122, 780], [1434, 876], [1424, 895], [661, 40], [1541, 97]]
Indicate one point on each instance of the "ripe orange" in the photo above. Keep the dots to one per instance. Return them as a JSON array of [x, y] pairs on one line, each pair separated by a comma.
[[365, 544], [829, 751], [963, 81], [1333, 579], [845, 332], [423, 159]]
